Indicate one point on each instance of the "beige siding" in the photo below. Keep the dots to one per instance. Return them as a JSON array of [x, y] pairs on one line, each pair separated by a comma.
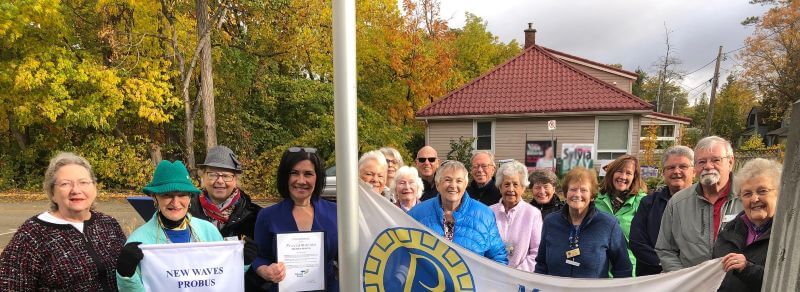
[[636, 131], [441, 132], [511, 134], [622, 82]]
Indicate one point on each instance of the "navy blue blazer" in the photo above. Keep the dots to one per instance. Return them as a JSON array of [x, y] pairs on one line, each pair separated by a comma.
[[278, 218]]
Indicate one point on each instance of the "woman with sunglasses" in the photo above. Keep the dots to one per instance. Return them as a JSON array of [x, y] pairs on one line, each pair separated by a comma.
[[621, 192], [300, 180]]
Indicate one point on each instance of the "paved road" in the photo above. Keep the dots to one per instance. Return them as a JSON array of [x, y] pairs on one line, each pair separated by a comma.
[[15, 213]]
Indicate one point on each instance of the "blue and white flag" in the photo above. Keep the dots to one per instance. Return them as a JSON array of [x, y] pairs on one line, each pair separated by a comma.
[[400, 254]]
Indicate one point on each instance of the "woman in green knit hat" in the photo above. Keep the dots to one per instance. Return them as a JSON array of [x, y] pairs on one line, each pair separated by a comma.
[[172, 190]]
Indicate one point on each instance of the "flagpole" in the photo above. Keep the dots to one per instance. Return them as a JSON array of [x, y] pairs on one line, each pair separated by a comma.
[[344, 87]]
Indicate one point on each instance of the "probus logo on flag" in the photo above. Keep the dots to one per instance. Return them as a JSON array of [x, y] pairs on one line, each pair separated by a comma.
[[196, 266]]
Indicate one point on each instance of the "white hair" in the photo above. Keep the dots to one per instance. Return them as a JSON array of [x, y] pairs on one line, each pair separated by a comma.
[[709, 142], [758, 167], [448, 166], [387, 151], [678, 150], [407, 172], [375, 155], [479, 152], [512, 167]]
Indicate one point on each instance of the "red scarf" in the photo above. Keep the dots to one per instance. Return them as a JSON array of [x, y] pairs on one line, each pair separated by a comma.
[[220, 215]]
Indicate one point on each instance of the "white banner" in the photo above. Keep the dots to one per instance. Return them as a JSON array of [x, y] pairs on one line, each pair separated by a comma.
[[400, 254], [196, 266]]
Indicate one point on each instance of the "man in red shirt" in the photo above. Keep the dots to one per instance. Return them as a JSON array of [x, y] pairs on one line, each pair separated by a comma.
[[694, 216]]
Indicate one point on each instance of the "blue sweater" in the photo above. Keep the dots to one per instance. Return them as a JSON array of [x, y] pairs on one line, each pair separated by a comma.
[[475, 227], [601, 243], [278, 218], [644, 232]]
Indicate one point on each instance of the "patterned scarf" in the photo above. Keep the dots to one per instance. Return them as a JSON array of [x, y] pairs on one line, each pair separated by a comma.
[[219, 216]]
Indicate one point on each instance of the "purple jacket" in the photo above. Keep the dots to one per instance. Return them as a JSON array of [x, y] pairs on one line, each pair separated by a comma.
[[521, 230]]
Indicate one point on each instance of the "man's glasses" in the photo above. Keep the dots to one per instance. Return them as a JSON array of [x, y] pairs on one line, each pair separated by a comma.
[[213, 176], [430, 159], [302, 149], [713, 161], [483, 166]]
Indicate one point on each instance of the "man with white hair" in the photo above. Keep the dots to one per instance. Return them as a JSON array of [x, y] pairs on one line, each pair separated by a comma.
[[694, 216], [482, 187]]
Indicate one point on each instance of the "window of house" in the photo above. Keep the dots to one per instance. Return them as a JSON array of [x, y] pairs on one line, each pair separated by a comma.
[[612, 138], [666, 131], [483, 135]]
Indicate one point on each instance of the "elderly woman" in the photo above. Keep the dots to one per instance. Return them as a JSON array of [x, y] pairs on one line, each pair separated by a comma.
[[743, 242], [543, 187], [459, 218], [407, 188], [172, 191], [300, 179], [520, 224], [71, 246], [372, 170], [579, 241], [621, 192], [393, 162]]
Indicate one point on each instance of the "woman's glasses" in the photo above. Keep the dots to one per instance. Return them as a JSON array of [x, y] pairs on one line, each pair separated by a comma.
[[302, 149]]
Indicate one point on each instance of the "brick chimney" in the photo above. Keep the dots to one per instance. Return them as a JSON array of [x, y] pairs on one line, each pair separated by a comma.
[[530, 36]]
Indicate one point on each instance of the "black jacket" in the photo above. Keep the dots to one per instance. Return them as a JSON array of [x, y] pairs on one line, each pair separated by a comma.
[[429, 191], [242, 220], [733, 239], [488, 194], [644, 232], [553, 206]]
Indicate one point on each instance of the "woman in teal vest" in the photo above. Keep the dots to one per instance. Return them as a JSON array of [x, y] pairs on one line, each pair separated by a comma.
[[620, 193]]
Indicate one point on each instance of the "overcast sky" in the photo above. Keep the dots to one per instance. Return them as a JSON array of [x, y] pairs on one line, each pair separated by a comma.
[[630, 32]]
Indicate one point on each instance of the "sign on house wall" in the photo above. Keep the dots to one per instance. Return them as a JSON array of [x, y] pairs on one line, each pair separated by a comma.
[[575, 155], [540, 154]]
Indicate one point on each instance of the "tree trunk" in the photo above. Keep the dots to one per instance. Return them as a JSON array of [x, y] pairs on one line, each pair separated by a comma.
[[155, 153], [206, 78]]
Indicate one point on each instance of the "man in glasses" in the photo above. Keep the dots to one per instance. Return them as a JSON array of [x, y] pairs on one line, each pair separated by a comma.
[[677, 165], [694, 216], [482, 187], [222, 202], [427, 163]]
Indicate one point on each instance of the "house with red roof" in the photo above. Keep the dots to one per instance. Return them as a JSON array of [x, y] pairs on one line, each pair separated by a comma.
[[511, 105]]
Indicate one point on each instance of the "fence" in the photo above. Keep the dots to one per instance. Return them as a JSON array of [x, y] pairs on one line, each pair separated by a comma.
[[742, 157]]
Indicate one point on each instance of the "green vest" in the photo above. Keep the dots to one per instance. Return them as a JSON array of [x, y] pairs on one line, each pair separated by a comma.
[[624, 215]]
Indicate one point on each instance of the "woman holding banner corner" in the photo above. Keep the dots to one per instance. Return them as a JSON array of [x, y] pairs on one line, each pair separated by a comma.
[[171, 189], [300, 180]]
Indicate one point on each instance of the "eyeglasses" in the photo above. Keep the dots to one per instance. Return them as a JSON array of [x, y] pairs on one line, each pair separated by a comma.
[[483, 166], [430, 159], [713, 161], [226, 177], [682, 167], [391, 161], [66, 185], [762, 192], [302, 149]]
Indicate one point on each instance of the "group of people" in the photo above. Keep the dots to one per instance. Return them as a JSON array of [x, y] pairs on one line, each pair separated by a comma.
[[612, 228], [72, 246]]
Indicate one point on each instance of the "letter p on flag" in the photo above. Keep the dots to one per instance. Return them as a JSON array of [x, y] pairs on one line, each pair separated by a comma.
[[225, 256]]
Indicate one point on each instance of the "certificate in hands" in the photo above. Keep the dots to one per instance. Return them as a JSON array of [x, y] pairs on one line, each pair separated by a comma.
[[303, 254]]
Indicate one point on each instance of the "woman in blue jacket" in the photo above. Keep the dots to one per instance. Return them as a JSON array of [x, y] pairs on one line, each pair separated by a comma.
[[579, 241], [459, 218], [300, 180]]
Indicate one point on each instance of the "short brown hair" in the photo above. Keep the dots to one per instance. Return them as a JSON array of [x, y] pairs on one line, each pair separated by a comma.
[[580, 174], [638, 185]]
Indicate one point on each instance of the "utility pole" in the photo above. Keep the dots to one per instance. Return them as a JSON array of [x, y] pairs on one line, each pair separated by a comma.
[[714, 82]]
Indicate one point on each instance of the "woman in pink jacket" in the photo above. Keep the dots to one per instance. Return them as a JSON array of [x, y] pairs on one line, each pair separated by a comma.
[[519, 222]]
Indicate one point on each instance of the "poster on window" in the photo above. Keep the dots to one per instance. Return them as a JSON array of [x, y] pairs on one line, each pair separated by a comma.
[[540, 154], [574, 155]]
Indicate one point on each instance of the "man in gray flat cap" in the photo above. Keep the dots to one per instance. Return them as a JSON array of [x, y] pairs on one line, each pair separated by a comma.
[[222, 202]]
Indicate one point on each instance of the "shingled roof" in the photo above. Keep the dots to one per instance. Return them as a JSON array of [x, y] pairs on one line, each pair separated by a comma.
[[533, 82]]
